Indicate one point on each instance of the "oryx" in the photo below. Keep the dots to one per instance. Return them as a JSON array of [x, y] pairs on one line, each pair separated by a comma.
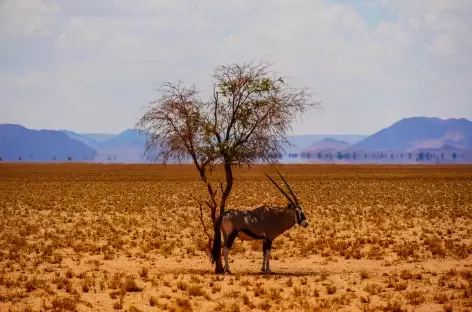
[[262, 223]]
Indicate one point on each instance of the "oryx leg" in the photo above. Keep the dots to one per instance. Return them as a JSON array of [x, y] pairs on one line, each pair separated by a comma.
[[263, 256], [228, 243], [266, 246]]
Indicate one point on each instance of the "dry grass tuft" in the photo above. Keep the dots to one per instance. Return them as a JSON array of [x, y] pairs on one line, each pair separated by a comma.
[[64, 304]]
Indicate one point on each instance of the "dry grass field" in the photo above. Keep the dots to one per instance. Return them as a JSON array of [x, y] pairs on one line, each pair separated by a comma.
[[82, 237]]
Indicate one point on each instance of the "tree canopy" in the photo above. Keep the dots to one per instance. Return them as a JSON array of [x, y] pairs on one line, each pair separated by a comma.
[[245, 121]]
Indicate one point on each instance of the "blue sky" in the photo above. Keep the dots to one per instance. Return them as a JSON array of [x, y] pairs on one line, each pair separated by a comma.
[[371, 11], [90, 66]]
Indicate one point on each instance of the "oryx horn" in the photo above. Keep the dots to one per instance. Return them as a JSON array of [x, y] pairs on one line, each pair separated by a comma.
[[280, 189], [289, 188]]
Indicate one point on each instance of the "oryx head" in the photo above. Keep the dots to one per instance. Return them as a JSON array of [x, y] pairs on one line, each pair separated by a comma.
[[293, 202]]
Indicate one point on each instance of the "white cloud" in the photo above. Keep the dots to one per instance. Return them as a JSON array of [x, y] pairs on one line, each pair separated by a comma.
[[107, 56], [430, 18], [41, 6], [27, 17], [444, 45]]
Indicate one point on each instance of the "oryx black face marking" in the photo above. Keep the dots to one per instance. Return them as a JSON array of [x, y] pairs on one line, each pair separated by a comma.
[[263, 223], [300, 216]]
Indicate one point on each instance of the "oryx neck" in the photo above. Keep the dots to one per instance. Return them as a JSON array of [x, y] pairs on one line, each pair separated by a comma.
[[290, 218]]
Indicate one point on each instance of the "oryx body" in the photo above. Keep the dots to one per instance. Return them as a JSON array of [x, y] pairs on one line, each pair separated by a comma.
[[262, 223]]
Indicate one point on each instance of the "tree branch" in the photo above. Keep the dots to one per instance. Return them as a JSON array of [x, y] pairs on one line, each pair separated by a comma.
[[210, 238]]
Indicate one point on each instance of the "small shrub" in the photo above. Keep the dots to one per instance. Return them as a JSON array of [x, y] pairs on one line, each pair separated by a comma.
[[331, 289], [324, 275], [118, 305], [215, 289], [234, 307], [400, 286], [33, 284], [364, 274], [184, 304], [153, 301], [440, 298], [448, 307], [467, 293], [373, 289], [28, 308], [130, 285], [246, 300], [394, 306], [274, 295], [195, 290], [182, 285], [264, 305], [69, 274], [85, 288], [415, 297], [64, 304], [375, 253], [258, 291], [144, 272], [406, 275], [406, 249]]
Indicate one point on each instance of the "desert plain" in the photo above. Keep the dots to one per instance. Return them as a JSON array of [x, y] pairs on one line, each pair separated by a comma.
[[114, 237]]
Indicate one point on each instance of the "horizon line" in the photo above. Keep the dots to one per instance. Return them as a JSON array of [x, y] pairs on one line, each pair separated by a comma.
[[292, 134]]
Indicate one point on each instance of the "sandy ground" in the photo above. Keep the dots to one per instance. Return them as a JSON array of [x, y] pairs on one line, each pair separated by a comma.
[[128, 238], [311, 284]]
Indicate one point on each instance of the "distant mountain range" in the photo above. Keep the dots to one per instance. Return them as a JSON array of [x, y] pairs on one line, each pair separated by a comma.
[[127, 146], [20, 144], [88, 140], [326, 145], [410, 140], [304, 141], [420, 132]]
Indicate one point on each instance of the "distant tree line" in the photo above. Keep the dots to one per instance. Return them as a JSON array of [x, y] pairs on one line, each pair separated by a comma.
[[422, 156], [54, 158]]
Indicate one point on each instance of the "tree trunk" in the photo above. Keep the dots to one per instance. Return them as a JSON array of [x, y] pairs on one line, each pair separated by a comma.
[[229, 186], [224, 196], [213, 204]]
